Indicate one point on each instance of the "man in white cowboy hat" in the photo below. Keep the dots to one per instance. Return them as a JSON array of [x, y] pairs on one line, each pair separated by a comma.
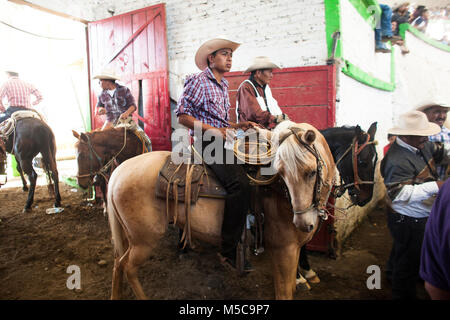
[[254, 101], [205, 104], [411, 181], [18, 93], [116, 101], [436, 112]]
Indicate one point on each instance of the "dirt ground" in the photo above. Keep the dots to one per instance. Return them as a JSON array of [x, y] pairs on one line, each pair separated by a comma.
[[36, 249]]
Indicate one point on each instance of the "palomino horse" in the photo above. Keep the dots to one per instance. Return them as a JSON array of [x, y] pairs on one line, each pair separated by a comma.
[[355, 156], [138, 219], [29, 137], [99, 152]]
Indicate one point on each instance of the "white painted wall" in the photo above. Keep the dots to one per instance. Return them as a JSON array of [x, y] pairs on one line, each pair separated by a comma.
[[358, 42]]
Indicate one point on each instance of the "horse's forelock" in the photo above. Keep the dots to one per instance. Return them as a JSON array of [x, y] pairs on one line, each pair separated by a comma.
[[292, 157]]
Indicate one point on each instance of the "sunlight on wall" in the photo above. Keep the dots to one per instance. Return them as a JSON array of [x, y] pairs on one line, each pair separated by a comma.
[[50, 54]]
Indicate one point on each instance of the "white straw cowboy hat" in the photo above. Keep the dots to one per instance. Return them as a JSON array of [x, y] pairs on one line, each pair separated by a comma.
[[433, 102], [107, 74], [262, 63], [414, 123], [209, 47]]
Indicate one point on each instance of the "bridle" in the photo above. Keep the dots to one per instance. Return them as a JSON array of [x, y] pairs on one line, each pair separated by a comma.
[[319, 183], [355, 151], [93, 154]]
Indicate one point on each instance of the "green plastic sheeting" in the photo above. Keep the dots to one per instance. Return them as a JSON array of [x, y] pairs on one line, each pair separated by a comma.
[[407, 27], [367, 9]]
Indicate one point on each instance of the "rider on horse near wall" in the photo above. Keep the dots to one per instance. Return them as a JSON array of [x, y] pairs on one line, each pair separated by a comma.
[[18, 93], [117, 103], [205, 103], [254, 102]]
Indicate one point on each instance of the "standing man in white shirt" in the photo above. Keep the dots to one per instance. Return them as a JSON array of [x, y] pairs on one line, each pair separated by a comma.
[[412, 182]]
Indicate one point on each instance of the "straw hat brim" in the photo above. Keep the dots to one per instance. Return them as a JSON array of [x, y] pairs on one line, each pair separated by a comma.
[[209, 47], [432, 104], [430, 131], [260, 66], [106, 77]]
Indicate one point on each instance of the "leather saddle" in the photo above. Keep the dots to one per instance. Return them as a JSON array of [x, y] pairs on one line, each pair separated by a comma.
[[172, 182]]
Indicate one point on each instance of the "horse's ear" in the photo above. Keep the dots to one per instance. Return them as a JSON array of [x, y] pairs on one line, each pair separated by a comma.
[[76, 134], [358, 131], [83, 137], [309, 136], [372, 130]]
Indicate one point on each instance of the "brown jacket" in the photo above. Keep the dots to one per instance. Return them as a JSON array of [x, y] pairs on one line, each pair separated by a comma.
[[249, 109]]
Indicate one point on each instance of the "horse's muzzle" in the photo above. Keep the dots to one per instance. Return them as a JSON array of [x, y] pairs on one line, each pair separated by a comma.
[[306, 221]]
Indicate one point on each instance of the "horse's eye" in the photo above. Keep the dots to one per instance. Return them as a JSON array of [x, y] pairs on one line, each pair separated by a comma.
[[362, 163], [312, 174]]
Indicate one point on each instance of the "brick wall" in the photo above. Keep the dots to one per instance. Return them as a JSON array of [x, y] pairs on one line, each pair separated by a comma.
[[290, 32]]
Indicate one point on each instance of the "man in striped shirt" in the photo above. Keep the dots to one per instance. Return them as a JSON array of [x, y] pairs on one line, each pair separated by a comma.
[[18, 93]]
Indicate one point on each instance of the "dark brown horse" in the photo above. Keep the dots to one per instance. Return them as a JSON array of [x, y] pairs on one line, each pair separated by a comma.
[[355, 156], [2, 160], [100, 152], [30, 137]]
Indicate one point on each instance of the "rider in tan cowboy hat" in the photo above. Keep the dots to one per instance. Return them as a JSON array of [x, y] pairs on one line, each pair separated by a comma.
[[412, 182], [205, 103], [254, 101], [436, 112], [117, 102]]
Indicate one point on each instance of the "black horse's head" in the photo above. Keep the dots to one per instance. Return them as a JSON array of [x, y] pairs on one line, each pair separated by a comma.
[[356, 158]]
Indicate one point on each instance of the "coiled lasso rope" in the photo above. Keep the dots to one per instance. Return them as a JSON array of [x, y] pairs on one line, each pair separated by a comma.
[[257, 152]]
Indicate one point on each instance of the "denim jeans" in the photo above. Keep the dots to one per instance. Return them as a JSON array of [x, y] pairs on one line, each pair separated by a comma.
[[384, 27]]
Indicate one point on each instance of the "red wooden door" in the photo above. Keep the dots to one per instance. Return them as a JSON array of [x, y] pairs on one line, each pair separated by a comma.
[[134, 44], [305, 94]]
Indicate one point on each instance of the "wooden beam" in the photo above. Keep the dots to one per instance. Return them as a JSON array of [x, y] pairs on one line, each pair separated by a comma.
[[41, 8]]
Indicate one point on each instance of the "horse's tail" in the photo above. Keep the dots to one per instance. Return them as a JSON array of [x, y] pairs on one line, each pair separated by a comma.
[[118, 235], [50, 159]]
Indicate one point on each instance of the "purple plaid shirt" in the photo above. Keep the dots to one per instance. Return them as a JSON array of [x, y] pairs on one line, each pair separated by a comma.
[[121, 100], [205, 99]]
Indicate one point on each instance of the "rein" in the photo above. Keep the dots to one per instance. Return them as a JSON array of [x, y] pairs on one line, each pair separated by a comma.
[[356, 150], [102, 171], [319, 181]]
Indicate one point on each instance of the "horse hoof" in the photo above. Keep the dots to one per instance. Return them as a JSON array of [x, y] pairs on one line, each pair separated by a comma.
[[25, 189], [26, 210], [311, 276], [314, 279], [302, 284]]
